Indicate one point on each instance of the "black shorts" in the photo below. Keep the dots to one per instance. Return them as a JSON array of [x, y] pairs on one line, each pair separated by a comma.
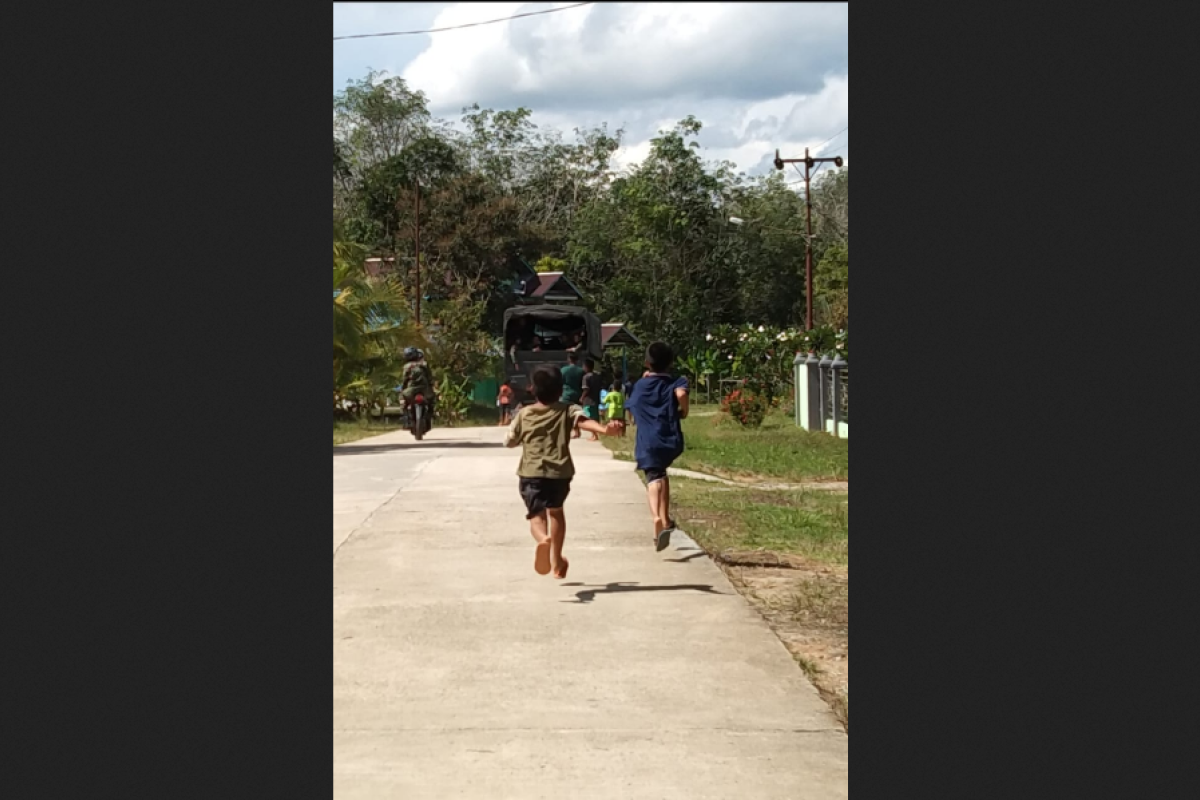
[[540, 494], [654, 474], [506, 407]]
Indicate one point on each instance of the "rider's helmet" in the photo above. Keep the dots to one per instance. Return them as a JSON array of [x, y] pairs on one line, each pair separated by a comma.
[[411, 354], [420, 354]]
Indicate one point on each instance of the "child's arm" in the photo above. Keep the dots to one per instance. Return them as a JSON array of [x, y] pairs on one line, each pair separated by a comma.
[[611, 429], [591, 426], [682, 396], [513, 437]]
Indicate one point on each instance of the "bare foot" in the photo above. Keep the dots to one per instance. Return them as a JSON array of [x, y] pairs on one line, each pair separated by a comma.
[[563, 566], [541, 558]]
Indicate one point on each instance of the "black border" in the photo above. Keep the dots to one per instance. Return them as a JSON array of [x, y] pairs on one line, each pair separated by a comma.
[[168, 553], [168, 603]]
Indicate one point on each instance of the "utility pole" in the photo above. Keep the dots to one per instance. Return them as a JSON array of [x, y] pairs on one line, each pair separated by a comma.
[[418, 184], [808, 162]]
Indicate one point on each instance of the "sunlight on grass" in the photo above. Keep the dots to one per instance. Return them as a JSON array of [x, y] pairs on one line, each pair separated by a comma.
[[811, 524], [779, 450]]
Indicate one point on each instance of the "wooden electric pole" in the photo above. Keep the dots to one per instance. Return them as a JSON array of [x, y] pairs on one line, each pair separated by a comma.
[[808, 162]]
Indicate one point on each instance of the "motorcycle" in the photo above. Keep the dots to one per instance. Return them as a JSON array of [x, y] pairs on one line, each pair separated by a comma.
[[419, 417]]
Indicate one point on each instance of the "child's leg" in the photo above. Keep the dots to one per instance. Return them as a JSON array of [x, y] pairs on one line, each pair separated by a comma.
[[537, 527], [654, 493], [558, 535], [541, 553]]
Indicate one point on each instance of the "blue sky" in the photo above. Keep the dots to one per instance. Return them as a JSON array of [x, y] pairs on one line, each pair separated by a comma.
[[758, 75]]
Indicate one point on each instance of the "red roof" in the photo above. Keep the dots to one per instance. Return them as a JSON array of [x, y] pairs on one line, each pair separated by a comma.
[[548, 280], [610, 330]]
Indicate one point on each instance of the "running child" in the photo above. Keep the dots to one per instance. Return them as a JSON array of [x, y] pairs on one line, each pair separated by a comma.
[[543, 430], [658, 403]]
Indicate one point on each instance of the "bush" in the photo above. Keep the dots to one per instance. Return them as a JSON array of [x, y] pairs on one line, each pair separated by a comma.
[[760, 354], [747, 407], [453, 400]]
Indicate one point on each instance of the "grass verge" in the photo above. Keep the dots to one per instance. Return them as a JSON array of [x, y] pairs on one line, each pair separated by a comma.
[[779, 450], [350, 431], [813, 525]]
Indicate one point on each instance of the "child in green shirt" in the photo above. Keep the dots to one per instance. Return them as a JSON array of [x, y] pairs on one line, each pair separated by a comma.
[[614, 405]]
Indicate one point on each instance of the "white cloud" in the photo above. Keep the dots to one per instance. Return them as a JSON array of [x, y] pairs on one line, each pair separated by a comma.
[[759, 76], [615, 52]]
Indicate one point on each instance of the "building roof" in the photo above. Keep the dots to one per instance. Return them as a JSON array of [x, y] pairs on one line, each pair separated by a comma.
[[555, 286], [615, 333]]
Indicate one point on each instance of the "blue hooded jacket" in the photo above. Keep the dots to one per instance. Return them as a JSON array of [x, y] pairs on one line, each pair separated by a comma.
[[656, 411]]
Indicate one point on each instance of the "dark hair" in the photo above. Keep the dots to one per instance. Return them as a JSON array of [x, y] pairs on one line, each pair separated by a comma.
[[547, 384], [590, 363], [572, 357], [616, 387], [659, 357]]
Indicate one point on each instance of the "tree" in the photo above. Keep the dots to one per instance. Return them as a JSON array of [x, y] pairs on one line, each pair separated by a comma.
[[377, 117], [650, 245], [371, 326]]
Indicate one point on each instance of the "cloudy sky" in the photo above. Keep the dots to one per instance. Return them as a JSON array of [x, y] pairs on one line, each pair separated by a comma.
[[759, 76]]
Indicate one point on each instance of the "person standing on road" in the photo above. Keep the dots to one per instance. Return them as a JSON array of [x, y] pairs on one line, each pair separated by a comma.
[[614, 406], [592, 385], [505, 401], [572, 388]]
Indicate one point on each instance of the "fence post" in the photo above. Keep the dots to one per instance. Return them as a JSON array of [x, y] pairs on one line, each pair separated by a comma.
[[823, 369], [835, 372], [799, 391], [813, 418]]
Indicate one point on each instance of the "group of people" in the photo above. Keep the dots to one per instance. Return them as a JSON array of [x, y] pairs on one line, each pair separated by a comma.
[[527, 338], [582, 386], [566, 403]]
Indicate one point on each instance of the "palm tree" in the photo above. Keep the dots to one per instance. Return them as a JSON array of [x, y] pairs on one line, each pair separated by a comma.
[[371, 326]]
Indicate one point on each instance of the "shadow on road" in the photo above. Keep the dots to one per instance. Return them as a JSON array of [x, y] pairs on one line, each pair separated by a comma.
[[359, 449], [686, 559], [588, 595]]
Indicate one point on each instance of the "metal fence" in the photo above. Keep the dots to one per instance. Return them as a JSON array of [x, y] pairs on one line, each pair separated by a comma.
[[822, 392]]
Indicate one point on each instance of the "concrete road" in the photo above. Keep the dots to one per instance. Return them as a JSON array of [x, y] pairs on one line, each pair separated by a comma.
[[461, 673]]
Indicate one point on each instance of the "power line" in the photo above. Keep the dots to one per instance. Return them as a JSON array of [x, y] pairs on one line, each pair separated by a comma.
[[831, 138], [467, 25]]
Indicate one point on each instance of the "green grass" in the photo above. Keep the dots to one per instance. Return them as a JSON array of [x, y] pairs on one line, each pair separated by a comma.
[[344, 432], [778, 450], [813, 524]]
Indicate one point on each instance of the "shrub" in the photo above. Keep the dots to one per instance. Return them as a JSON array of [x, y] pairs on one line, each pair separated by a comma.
[[747, 407], [453, 400]]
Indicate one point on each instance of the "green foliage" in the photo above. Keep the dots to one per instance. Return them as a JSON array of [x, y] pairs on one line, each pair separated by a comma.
[[550, 264], [651, 245], [453, 399]]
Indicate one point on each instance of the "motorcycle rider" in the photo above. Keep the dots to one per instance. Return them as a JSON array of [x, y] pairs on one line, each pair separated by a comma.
[[418, 379]]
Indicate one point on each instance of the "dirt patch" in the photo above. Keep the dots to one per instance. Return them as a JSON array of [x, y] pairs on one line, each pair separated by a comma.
[[807, 606]]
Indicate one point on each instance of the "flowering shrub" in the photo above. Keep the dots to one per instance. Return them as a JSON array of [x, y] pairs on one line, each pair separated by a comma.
[[759, 354], [746, 406]]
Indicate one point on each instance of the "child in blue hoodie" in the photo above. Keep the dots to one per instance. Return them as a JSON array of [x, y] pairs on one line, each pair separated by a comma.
[[658, 403]]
